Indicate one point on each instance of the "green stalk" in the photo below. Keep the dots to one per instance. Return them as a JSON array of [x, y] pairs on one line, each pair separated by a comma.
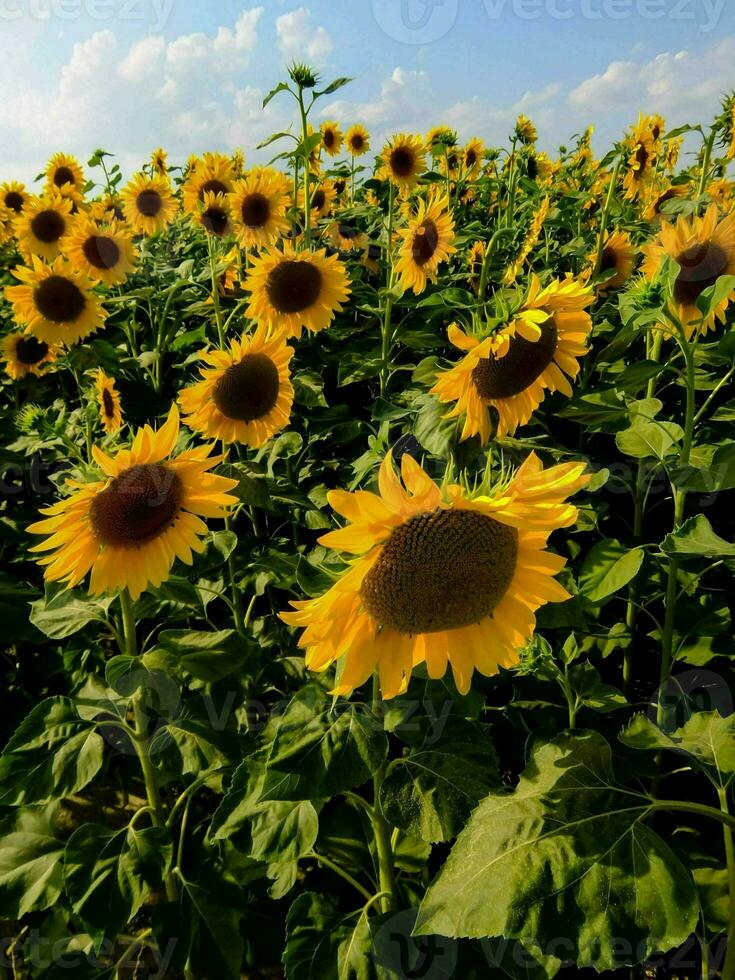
[[605, 217], [728, 967], [381, 827], [511, 186], [307, 174], [141, 741], [234, 591], [706, 160], [215, 292], [385, 326]]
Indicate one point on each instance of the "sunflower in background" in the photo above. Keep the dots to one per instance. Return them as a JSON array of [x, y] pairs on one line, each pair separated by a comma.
[[475, 262], [259, 204], [102, 252], [323, 196], [445, 578], [618, 258], [42, 224], [529, 242], [108, 402], [213, 174], [24, 354], [214, 215], [404, 160], [525, 131], [145, 511], [291, 290], [55, 302], [331, 138], [149, 204], [357, 140], [721, 193], [346, 238], [238, 162], [511, 370], [13, 196], [65, 175], [7, 225], [660, 197], [246, 392], [439, 139], [159, 162], [472, 158], [704, 250], [426, 243], [641, 160]]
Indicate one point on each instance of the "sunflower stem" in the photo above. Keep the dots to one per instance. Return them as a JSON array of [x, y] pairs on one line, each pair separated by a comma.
[[381, 827], [234, 591], [728, 968], [215, 292], [388, 311], [307, 173], [605, 217], [141, 741], [706, 160]]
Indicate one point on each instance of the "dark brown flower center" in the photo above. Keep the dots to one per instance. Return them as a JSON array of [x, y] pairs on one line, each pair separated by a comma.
[[14, 201], [29, 350], [347, 232], [402, 161], [149, 203], [59, 299], [339, 185], [294, 286], [441, 570], [48, 226], [524, 362], [255, 210], [357, 142], [63, 175], [425, 242], [138, 506], [214, 186], [101, 252], [247, 391], [609, 259], [471, 158], [641, 157], [666, 196], [701, 267], [215, 220], [328, 138], [318, 199], [108, 404]]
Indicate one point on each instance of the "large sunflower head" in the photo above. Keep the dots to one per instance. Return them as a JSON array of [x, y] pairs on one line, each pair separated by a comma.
[[13, 195], [618, 261], [426, 243], [55, 302], [108, 403], [323, 196], [213, 174], [259, 205], [149, 204], [103, 252], [331, 138], [404, 159], [65, 175], [441, 578], [357, 140], [42, 225], [214, 215], [509, 372], [656, 208], [703, 250], [290, 290], [25, 354], [246, 392], [145, 511]]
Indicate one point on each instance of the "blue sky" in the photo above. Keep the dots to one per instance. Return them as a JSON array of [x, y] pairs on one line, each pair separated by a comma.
[[132, 74]]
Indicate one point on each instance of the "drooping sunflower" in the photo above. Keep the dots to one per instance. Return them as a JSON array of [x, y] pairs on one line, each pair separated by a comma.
[[214, 215], [357, 140], [24, 354], [323, 196], [108, 402], [704, 250], [511, 370], [149, 204], [660, 197], [404, 159], [42, 224], [618, 257], [259, 204], [345, 237], [65, 175], [145, 511], [442, 579], [331, 138], [473, 156], [104, 252], [427, 242], [475, 262], [55, 302], [159, 162], [291, 290], [213, 174], [246, 395], [439, 138], [641, 160], [525, 130], [13, 195]]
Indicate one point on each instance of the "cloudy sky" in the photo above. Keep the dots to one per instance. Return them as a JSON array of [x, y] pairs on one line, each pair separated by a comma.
[[129, 75]]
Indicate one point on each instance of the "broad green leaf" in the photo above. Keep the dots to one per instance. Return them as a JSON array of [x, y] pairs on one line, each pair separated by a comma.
[[190, 744], [323, 943], [647, 439], [206, 656], [714, 896], [66, 613], [608, 567], [695, 538], [53, 753], [567, 854], [30, 861], [706, 736], [211, 913], [714, 477]]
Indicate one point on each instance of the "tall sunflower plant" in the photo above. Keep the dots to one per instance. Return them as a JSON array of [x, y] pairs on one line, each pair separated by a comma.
[[367, 556]]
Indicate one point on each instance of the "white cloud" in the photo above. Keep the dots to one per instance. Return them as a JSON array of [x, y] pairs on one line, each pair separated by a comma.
[[298, 40], [143, 60]]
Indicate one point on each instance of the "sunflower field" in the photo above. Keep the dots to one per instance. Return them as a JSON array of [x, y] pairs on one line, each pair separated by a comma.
[[367, 553]]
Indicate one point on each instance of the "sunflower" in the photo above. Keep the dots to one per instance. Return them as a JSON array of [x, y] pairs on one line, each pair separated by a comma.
[[56, 302], [214, 174], [439, 138], [472, 158], [721, 193], [42, 224], [246, 395], [641, 160], [108, 401], [24, 354], [64, 174], [525, 130], [323, 196], [704, 250], [149, 204], [291, 290], [13, 195], [404, 158], [357, 140], [238, 162], [331, 138], [259, 204], [145, 511], [7, 224], [159, 162], [102, 252], [371, 257], [475, 262], [214, 215], [660, 197], [345, 237], [529, 242], [438, 578], [618, 257], [511, 370], [427, 242]]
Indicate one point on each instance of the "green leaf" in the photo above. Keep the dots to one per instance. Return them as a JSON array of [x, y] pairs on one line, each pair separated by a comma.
[[566, 854], [431, 792], [281, 87], [321, 747], [53, 753], [109, 874], [696, 539], [65, 614], [707, 737], [608, 568], [206, 656], [333, 86], [30, 861], [323, 943], [211, 913], [647, 439], [717, 475]]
